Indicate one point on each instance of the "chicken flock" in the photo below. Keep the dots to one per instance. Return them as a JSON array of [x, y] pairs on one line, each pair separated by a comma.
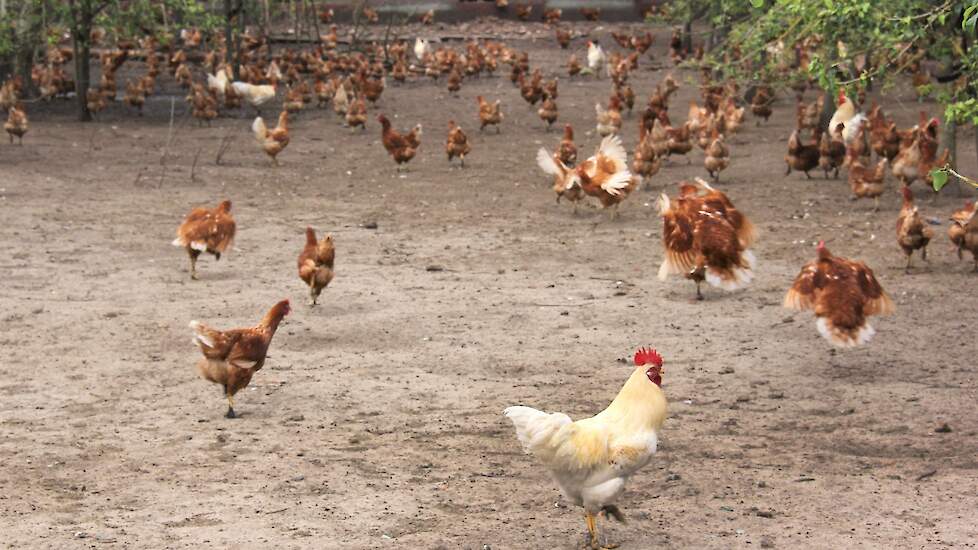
[[705, 237]]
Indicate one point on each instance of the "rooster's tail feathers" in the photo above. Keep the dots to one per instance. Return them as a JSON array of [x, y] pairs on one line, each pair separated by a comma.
[[535, 429]]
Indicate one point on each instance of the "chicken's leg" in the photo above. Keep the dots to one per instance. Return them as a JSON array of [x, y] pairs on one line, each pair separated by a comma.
[[876, 204], [592, 530], [313, 295], [230, 413], [909, 262], [193, 262], [699, 293]]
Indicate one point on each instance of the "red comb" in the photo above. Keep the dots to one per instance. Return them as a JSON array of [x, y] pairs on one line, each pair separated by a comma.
[[644, 356], [821, 245]]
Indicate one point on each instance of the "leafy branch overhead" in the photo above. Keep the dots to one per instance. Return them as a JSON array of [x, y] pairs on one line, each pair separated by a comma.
[[941, 175], [853, 44]]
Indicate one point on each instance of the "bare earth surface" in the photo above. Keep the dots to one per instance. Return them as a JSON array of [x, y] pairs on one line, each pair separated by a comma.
[[376, 422]]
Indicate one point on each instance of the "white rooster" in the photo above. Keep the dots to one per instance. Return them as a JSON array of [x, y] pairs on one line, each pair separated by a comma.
[[846, 115], [591, 459], [596, 58]]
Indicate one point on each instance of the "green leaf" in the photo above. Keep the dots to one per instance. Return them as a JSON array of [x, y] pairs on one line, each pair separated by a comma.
[[757, 3], [939, 178]]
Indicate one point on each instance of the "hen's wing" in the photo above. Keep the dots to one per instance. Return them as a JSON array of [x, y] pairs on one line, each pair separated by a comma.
[[249, 350], [549, 164], [801, 295], [616, 184], [878, 302], [677, 238]]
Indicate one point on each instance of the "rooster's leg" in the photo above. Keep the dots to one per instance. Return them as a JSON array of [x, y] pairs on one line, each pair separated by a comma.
[[592, 530], [312, 295], [699, 293], [909, 263]]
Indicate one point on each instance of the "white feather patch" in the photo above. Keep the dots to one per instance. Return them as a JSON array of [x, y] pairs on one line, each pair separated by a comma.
[[841, 339], [200, 337], [612, 148], [259, 128], [199, 246], [617, 182], [548, 164], [737, 278]]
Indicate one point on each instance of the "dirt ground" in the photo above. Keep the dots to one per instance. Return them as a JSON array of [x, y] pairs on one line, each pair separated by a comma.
[[377, 419]]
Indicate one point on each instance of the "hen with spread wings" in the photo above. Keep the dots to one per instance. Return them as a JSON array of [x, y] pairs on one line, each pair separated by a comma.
[[843, 294]]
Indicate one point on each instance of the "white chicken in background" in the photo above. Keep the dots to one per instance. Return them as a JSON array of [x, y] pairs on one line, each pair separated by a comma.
[[422, 47], [846, 115], [591, 459], [255, 95], [596, 58], [218, 83], [273, 73]]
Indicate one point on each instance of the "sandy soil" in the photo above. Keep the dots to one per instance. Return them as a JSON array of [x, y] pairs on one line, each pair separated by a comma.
[[376, 422]]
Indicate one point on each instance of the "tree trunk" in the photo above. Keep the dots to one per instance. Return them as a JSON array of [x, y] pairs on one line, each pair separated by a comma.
[[82, 49], [828, 109], [230, 44], [688, 36]]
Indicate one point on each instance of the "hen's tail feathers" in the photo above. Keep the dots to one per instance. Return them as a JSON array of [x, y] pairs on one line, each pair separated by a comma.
[[536, 429], [844, 337], [734, 278], [259, 128], [612, 511], [199, 336]]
